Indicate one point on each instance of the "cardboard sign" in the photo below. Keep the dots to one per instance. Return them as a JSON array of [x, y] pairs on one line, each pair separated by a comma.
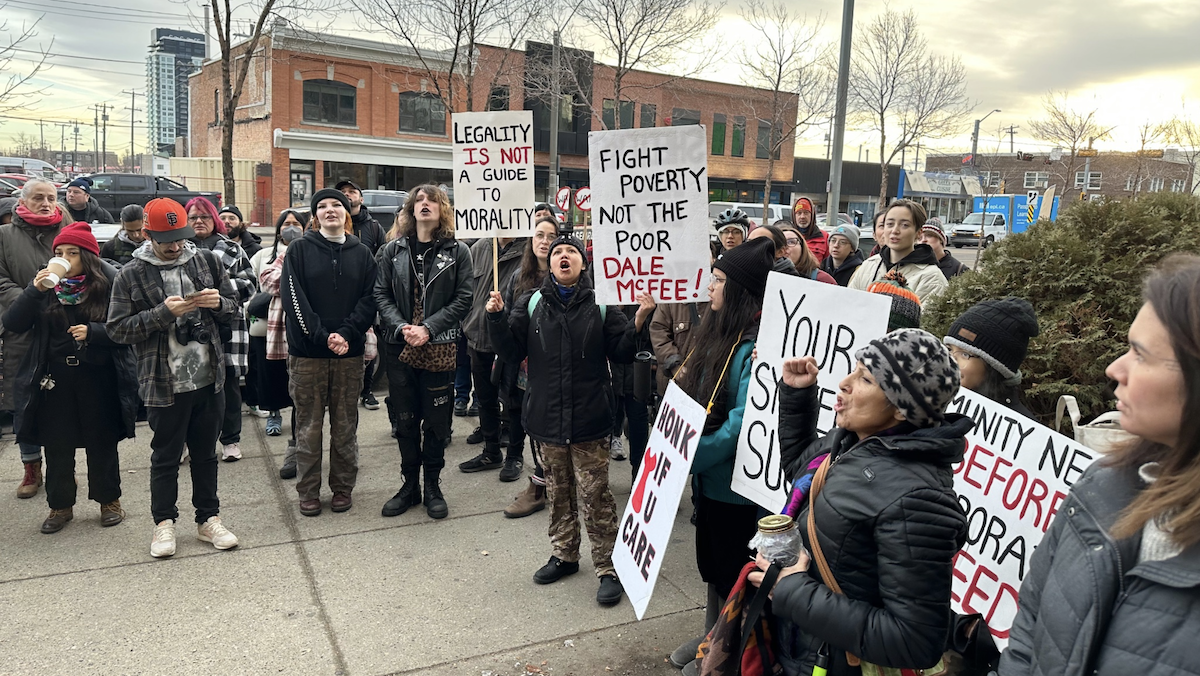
[[645, 527], [650, 214], [801, 318], [1015, 475], [493, 174]]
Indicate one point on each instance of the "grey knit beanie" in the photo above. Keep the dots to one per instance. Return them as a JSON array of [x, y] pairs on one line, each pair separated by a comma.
[[915, 372]]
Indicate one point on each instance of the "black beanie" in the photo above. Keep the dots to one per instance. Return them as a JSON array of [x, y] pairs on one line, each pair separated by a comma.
[[229, 209], [568, 240], [998, 332], [748, 264], [327, 193]]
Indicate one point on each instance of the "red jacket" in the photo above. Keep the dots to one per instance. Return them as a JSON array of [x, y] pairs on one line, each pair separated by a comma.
[[819, 245]]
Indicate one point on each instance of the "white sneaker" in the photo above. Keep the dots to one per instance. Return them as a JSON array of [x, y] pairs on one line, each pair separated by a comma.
[[616, 449], [231, 452], [162, 544], [215, 532]]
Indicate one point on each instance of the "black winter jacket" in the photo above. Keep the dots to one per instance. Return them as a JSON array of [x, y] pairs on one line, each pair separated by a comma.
[[368, 230], [29, 313], [92, 212], [250, 242], [567, 401], [1088, 606], [327, 288], [890, 524], [447, 290], [475, 325], [842, 273]]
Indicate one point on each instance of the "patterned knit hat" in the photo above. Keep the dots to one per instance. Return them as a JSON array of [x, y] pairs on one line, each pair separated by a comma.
[[906, 306], [998, 332], [935, 226], [916, 373]]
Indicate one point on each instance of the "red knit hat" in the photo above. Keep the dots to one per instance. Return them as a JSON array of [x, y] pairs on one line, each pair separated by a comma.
[[80, 235]]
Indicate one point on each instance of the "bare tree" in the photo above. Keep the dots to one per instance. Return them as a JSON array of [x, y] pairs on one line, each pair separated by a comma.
[[18, 88], [1148, 134], [1185, 133], [896, 82], [1071, 129], [648, 34], [788, 60]]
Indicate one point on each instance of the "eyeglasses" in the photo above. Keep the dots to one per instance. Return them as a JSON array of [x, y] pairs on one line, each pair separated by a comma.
[[716, 281], [792, 241], [196, 218], [959, 355]]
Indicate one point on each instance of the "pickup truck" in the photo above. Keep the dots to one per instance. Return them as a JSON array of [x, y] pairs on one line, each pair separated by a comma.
[[115, 191]]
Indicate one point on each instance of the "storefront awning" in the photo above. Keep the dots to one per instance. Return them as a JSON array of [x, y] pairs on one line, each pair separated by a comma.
[[303, 145], [926, 184]]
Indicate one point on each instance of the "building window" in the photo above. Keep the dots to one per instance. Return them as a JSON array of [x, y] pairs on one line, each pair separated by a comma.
[[1129, 183], [718, 134], [1037, 179], [609, 114], [1156, 184], [738, 138], [684, 116], [1093, 182], [990, 179], [422, 113], [649, 115], [498, 99], [329, 102], [1177, 185], [768, 141]]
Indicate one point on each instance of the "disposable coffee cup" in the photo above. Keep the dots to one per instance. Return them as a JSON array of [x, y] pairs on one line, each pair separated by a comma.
[[57, 269]]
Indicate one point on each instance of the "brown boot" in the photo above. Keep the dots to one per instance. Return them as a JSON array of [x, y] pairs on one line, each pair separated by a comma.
[[532, 499], [31, 482], [111, 513], [57, 519]]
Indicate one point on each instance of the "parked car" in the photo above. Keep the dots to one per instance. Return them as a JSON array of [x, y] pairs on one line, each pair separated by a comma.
[[969, 232], [115, 191], [775, 212], [383, 205], [105, 231], [842, 219], [8, 188]]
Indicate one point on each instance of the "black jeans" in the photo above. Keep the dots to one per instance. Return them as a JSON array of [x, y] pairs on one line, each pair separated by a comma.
[[231, 425], [103, 472], [424, 402], [638, 413], [193, 420], [487, 395]]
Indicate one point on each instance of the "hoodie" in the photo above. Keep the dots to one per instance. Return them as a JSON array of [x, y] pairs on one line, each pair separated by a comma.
[[842, 273], [920, 268], [368, 230], [91, 212], [326, 287]]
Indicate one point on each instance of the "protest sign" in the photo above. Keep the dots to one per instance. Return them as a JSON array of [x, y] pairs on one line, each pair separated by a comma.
[[800, 318], [650, 210], [645, 527], [493, 174], [1011, 483]]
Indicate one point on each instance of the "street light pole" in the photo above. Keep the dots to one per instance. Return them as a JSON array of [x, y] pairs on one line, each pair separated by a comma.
[[839, 120], [975, 136]]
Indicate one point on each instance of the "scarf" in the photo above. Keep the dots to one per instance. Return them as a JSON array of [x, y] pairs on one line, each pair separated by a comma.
[[39, 221], [564, 292], [70, 290]]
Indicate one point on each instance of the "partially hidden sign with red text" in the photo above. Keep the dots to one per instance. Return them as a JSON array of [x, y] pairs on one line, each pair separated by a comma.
[[650, 214], [1011, 483], [645, 527]]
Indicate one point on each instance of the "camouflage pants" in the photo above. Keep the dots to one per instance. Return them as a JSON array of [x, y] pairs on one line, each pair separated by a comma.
[[317, 384], [583, 468]]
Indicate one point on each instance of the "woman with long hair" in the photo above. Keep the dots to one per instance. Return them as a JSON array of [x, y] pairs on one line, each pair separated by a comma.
[[903, 250], [81, 388], [1113, 587], [535, 265], [797, 251], [271, 344], [716, 373], [989, 341]]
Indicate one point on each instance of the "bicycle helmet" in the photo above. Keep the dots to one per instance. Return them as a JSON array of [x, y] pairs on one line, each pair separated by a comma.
[[731, 216]]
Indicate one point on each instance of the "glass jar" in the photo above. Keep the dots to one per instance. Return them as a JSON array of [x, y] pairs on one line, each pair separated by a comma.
[[778, 540]]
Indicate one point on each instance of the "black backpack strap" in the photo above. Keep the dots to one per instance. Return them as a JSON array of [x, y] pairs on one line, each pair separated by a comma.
[[754, 612]]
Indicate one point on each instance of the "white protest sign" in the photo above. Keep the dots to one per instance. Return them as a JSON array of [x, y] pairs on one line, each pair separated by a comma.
[[1011, 483], [801, 318], [650, 211], [493, 174], [645, 527]]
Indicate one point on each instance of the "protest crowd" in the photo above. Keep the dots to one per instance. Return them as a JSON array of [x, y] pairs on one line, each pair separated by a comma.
[[187, 320]]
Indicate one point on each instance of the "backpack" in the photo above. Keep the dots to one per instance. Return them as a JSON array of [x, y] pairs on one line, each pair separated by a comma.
[[537, 296], [742, 643]]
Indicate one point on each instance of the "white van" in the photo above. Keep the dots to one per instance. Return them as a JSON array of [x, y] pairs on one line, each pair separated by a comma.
[[775, 212], [967, 233], [31, 167]]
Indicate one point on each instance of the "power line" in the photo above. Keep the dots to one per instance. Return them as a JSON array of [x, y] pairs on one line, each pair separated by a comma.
[[72, 4], [69, 65], [74, 56], [128, 12]]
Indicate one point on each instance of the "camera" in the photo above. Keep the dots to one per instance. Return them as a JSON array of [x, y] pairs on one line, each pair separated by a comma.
[[190, 328]]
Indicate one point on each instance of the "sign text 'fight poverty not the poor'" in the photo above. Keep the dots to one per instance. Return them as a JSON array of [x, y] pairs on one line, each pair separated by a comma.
[[650, 214], [493, 174]]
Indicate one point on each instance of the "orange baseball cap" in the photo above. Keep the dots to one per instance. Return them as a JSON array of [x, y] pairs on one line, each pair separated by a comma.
[[166, 221]]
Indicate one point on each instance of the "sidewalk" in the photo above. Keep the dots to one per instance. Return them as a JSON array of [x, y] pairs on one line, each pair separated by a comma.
[[340, 594]]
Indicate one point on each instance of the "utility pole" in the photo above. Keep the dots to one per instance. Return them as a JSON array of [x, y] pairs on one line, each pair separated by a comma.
[[1087, 171], [75, 152], [839, 126], [42, 132], [1012, 132], [133, 111], [62, 142], [917, 156], [975, 137], [96, 139], [104, 133], [555, 102]]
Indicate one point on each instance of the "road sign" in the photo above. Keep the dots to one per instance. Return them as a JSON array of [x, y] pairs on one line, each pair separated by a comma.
[[1032, 198], [1087, 152], [583, 198], [563, 198]]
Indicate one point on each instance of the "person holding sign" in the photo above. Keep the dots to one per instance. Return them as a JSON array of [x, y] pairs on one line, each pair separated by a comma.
[[902, 225], [882, 518], [568, 341], [423, 291], [716, 371], [1114, 586]]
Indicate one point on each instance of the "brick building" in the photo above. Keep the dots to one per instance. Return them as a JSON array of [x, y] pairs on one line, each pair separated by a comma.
[[1110, 174], [318, 109]]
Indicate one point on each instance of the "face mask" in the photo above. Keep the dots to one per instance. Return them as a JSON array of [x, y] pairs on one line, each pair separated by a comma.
[[290, 233]]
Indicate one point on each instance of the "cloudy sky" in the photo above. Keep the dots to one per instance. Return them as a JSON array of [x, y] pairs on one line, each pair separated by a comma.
[[1133, 60]]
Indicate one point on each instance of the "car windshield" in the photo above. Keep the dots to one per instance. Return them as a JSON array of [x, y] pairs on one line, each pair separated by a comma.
[[977, 218]]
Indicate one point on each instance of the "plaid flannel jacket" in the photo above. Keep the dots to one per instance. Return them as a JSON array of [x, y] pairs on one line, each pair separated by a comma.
[[277, 347], [138, 316], [237, 266]]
